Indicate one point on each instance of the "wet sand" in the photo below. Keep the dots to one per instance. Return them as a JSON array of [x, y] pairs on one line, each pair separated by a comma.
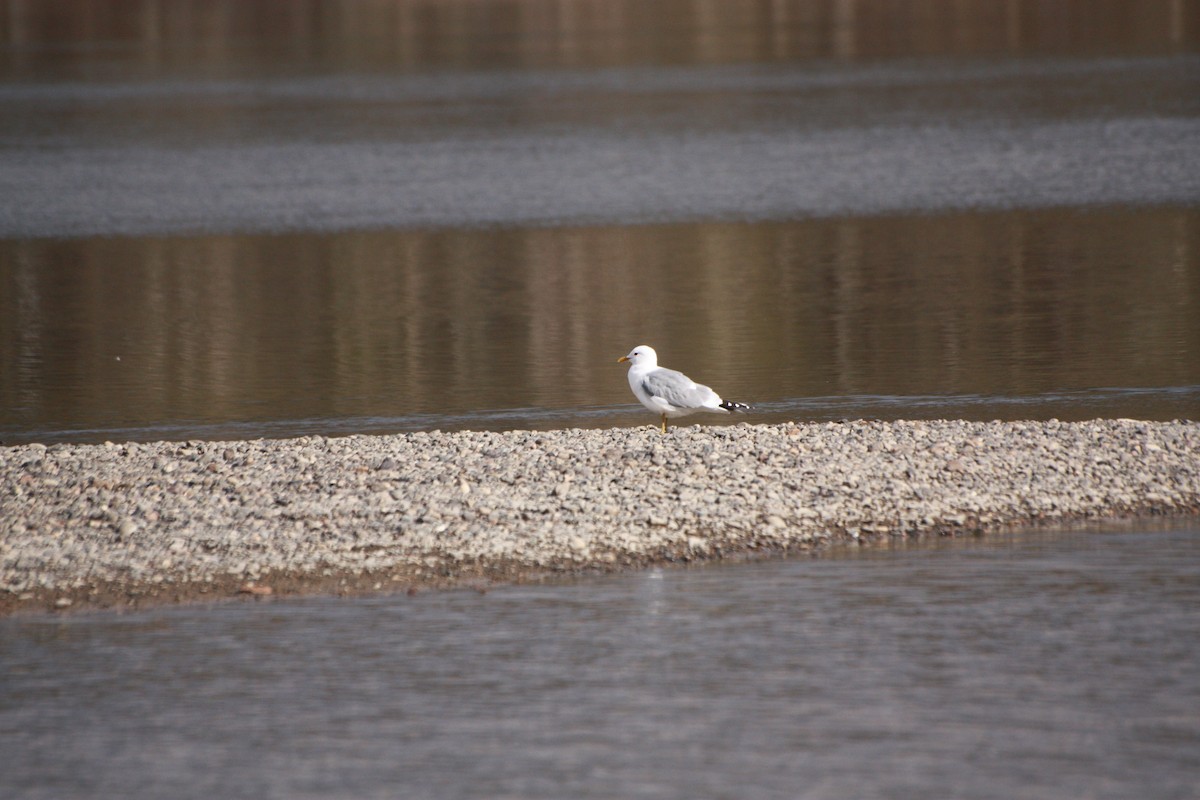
[[127, 525]]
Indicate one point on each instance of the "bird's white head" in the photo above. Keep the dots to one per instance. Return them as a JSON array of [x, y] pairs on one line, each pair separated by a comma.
[[641, 356]]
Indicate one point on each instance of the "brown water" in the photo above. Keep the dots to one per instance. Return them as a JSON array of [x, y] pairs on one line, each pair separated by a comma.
[[1018, 314], [239, 219]]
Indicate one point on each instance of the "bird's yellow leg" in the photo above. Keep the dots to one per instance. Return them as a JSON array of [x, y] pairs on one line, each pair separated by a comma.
[[664, 428]]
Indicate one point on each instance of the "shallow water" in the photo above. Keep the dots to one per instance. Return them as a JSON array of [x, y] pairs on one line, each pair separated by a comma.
[[1042, 665], [241, 219], [1010, 315]]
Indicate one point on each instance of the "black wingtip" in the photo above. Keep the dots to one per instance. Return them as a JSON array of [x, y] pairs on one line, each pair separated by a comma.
[[729, 405]]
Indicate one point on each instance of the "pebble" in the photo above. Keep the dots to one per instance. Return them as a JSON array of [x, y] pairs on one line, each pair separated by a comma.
[[74, 515]]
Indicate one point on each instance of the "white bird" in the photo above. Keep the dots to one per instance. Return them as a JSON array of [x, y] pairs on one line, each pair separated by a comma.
[[668, 392]]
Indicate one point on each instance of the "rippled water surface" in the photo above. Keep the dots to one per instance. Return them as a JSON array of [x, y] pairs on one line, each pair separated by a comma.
[[238, 219], [1042, 665]]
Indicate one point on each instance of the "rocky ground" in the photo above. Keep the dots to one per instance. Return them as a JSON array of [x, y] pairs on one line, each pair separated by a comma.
[[120, 525]]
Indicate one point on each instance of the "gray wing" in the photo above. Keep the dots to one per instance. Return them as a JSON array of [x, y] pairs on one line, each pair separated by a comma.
[[676, 388]]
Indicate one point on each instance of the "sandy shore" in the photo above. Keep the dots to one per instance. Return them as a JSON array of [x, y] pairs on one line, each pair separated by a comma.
[[119, 525]]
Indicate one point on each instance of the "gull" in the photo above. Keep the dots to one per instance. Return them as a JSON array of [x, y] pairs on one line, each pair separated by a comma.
[[670, 393]]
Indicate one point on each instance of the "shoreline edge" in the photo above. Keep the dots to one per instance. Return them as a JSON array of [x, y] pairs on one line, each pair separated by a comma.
[[133, 525]]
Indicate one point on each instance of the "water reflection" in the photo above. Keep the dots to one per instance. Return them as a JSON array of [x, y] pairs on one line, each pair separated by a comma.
[[112, 333], [349, 129], [230, 37]]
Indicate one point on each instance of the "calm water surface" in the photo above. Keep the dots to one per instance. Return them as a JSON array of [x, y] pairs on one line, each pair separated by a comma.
[[241, 219], [1045, 665]]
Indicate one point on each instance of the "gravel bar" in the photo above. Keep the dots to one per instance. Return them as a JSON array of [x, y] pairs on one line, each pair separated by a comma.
[[121, 525]]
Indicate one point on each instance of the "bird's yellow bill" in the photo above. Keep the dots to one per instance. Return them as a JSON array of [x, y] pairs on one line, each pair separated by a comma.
[[622, 359]]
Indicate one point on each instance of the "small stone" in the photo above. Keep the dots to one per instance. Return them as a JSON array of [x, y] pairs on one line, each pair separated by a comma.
[[450, 504]]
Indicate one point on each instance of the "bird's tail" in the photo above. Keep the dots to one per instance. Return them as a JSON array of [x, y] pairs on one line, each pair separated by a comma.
[[729, 405]]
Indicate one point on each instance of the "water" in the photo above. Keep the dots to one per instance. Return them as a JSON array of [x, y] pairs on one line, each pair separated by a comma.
[[632, 147], [242, 219], [987, 317], [231, 219], [1042, 665]]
